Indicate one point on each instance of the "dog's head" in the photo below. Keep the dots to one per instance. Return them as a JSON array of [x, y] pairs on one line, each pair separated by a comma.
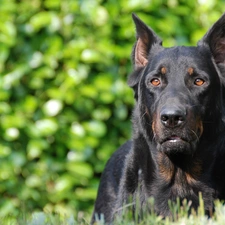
[[178, 90]]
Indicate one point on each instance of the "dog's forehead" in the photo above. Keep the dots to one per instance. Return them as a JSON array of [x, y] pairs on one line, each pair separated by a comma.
[[181, 57]]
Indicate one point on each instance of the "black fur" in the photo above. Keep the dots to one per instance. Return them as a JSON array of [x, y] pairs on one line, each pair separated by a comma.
[[178, 144]]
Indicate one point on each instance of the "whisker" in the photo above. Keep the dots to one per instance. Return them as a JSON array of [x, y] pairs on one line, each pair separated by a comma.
[[143, 114], [154, 137], [195, 134]]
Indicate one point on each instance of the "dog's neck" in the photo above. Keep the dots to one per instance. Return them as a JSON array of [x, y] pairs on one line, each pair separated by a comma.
[[182, 169], [179, 176]]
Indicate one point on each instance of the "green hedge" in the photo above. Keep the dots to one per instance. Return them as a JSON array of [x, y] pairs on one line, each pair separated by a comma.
[[64, 102]]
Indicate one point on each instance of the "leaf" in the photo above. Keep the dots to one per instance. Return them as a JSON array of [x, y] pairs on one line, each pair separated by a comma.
[[80, 169], [46, 127]]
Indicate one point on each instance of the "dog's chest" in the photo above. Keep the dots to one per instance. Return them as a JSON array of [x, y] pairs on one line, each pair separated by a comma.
[[180, 187]]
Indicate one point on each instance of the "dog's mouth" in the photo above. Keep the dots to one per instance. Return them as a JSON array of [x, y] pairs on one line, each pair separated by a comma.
[[173, 139], [176, 144]]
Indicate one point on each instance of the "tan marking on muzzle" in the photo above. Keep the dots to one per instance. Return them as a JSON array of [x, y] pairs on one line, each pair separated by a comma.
[[200, 128], [153, 127], [146, 111]]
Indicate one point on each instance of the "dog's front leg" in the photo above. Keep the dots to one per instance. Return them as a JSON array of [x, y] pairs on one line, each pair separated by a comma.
[[134, 188], [127, 188]]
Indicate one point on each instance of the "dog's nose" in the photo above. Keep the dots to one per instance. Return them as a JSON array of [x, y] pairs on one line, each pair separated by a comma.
[[172, 117]]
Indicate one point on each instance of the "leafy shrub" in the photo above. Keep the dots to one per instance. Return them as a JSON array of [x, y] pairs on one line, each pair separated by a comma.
[[64, 103]]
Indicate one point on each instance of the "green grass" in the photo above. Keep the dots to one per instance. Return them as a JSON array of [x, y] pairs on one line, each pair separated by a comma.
[[41, 218], [180, 217]]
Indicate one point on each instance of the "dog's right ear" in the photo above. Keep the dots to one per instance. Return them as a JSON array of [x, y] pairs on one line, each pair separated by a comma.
[[146, 38]]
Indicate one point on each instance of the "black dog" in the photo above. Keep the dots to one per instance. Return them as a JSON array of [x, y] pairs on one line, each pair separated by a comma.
[[178, 144]]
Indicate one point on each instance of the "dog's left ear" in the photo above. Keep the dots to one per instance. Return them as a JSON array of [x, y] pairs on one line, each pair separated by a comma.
[[215, 39]]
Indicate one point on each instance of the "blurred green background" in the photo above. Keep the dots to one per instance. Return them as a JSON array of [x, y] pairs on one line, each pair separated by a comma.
[[64, 102]]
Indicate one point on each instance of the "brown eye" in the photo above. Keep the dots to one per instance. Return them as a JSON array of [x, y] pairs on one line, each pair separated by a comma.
[[199, 82], [155, 82]]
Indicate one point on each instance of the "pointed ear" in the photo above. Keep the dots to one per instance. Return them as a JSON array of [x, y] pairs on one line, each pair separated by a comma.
[[146, 38], [215, 39]]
